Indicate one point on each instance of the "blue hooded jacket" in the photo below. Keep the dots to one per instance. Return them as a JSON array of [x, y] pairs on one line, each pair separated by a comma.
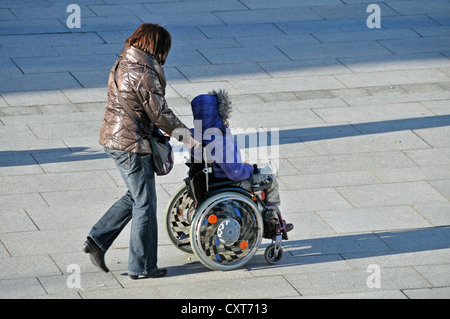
[[210, 111]]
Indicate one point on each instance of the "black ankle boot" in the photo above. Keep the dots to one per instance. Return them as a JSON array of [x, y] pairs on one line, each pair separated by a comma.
[[96, 254]]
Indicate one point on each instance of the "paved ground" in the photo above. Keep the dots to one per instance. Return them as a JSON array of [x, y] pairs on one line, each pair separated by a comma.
[[364, 142]]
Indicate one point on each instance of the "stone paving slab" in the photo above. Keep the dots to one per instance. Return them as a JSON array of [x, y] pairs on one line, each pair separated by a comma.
[[281, 85], [412, 7], [333, 50], [392, 78], [61, 64], [253, 288], [396, 258], [391, 194], [361, 115], [403, 62], [222, 72], [48, 40], [433, 44], [249, 31], [339, 282], [268, 4], [374, 113], [275, 15], [30, 26], [37, 82], [195, 6], [401, 140], [241, 55], [392, 217], [349, 11], [58, 10], [352, 162]]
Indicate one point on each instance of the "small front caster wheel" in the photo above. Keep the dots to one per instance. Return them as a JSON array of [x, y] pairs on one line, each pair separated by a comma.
[[270, 256]]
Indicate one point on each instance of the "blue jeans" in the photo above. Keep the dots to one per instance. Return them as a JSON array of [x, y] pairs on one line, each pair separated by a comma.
[[139, 205]]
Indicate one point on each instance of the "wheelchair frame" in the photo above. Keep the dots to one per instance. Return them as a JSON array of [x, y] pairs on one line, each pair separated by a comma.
[[236, 239]]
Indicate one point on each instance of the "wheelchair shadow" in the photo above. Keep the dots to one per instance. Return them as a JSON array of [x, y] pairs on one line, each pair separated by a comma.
[[338, 248], [321, 252]]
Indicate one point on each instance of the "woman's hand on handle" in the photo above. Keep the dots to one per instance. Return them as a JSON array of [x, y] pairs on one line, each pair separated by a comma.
[[191, 143]]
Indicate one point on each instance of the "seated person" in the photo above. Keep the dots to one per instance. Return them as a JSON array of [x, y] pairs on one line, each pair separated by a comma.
[[211, 112]]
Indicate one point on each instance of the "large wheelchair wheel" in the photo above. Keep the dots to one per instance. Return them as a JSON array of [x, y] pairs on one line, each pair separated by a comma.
[[178, 216], [226, 231]]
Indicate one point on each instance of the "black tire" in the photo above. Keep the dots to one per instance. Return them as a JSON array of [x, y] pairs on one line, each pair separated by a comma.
[[226, 231], [269, 255], [177, 219]]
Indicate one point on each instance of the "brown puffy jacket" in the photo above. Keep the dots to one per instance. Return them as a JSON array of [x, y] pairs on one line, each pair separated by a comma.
[[141, 80]]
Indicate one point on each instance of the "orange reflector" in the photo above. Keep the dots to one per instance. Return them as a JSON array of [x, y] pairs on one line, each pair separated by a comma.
[[243, 244], [179, 212], [212, 219]]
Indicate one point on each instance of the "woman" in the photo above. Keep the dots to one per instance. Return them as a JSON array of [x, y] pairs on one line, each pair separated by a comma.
[[139, 77]]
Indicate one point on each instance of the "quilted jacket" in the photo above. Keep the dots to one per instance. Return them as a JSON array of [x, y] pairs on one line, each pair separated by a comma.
[[141, 81]]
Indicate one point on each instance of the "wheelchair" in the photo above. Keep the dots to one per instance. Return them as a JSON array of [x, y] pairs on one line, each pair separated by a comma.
[[220, 223]]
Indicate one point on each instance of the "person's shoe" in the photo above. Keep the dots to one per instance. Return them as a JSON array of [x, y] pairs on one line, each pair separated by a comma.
[[161, 272], [96, 254], [288, 227]]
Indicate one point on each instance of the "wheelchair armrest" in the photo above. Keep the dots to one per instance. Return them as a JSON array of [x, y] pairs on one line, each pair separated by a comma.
[[261, 181], [221, 184], [260, 187]]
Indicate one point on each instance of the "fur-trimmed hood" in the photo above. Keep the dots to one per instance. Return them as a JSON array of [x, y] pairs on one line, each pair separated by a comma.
[[223, 104], [213, 109]]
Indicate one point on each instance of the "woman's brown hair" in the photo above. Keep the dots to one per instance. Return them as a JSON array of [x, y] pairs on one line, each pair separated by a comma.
[[153, 39]]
